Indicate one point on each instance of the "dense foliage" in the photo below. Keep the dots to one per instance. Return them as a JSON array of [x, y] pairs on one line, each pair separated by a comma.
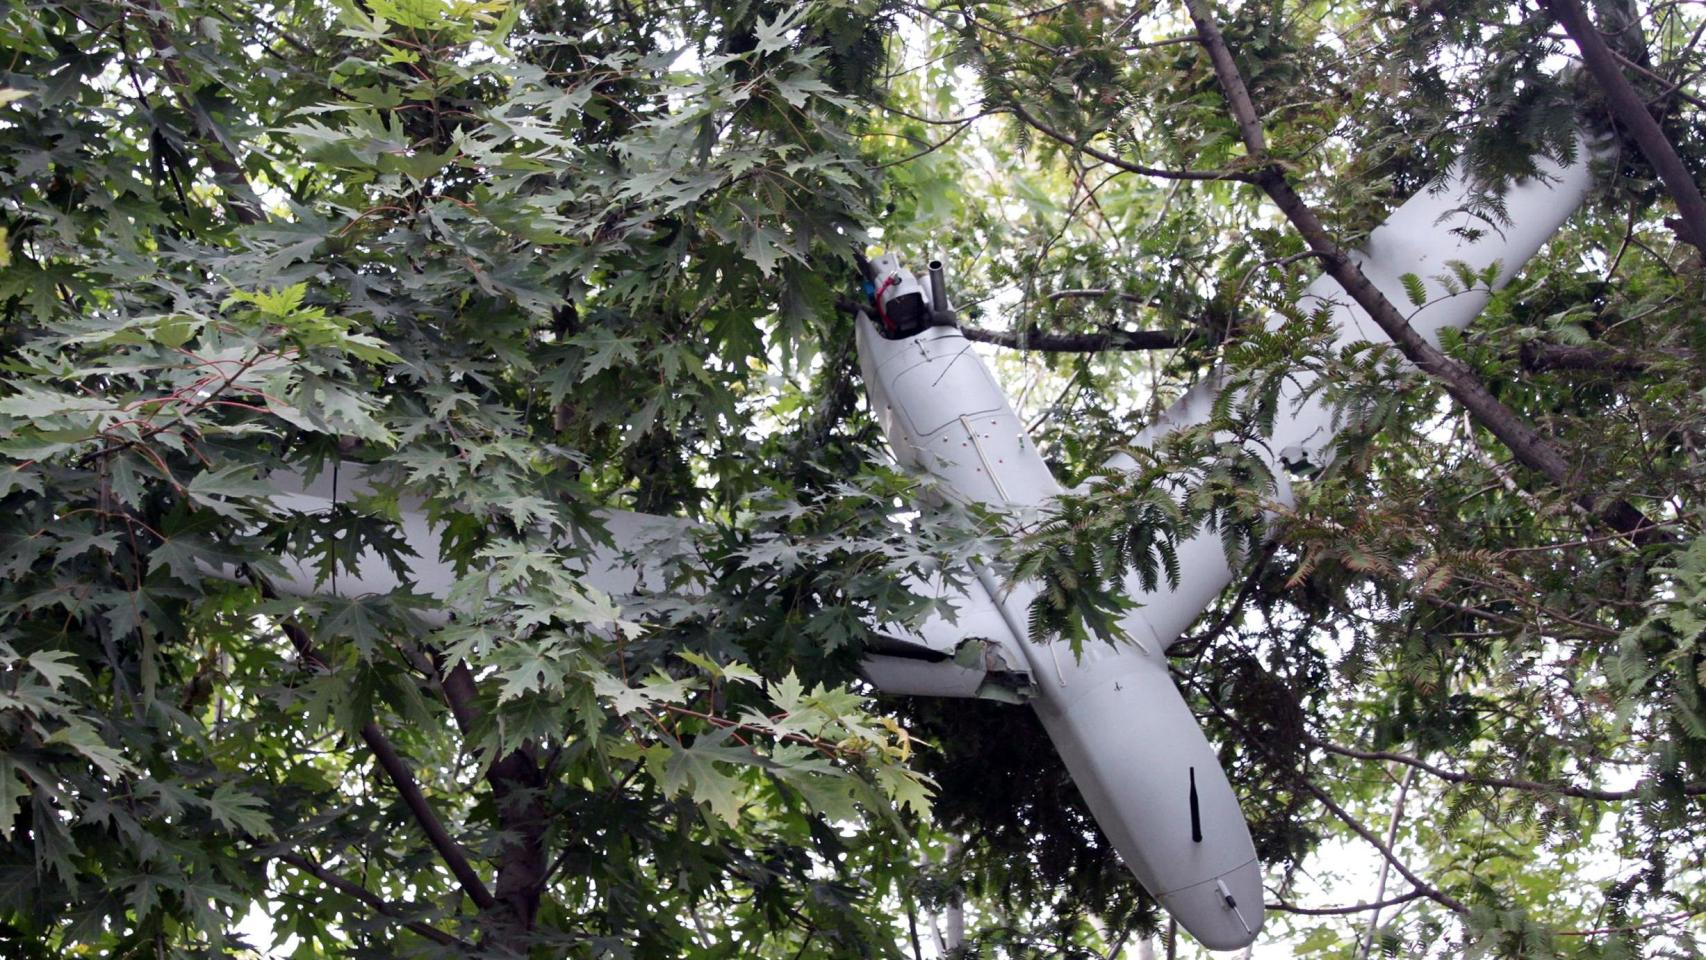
[[525, 261]]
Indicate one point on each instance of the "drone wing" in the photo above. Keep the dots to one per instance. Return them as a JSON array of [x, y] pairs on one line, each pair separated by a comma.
[[966, 651], [631, 558], [972, 652]]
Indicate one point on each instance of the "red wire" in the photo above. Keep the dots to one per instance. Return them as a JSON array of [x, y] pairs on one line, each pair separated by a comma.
[[894, 278]]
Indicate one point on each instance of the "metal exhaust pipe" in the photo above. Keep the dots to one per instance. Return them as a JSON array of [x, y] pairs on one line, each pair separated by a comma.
[[938, 288]]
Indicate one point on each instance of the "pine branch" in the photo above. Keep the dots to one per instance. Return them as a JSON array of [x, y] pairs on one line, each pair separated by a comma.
[[1531, 449]]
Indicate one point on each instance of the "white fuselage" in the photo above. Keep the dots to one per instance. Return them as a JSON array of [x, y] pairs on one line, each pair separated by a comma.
[[1125, 733]]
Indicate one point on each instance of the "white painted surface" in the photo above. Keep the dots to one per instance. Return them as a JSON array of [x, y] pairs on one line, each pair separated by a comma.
[[1124, 732]]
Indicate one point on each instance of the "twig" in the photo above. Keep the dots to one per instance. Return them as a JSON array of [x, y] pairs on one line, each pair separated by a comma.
[[1502, 783], [1284, 907], [358, 892]]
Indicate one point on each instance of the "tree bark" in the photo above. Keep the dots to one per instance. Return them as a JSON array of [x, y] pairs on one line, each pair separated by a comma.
[[1630, 110], [518, 789], [1531, 449]]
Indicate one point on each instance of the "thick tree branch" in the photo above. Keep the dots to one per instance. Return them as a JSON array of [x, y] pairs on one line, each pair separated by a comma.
[[403, 779], [358, 892], [517, 787], [1630, 110], [1502, 783], [1531, 449]]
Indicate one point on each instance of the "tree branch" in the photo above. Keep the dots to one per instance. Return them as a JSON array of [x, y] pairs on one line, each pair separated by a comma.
[[1502, 783], [1530, 448], [223, 158], [1326, 800], [1082, 342], [1537, 357], [1083, 146], [516, 781], [1284, 907], [1425, 889], [1630, 110], [358, 892], [1094, 293], [403, 779], [1065, 342]]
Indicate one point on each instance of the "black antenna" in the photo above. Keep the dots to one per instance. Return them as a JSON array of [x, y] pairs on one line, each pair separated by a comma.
[[1196, 814]]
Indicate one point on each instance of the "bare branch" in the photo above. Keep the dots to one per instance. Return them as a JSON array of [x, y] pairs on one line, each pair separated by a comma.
[[1284, 907], [358, 892], [1083, 342], [1502, 783]]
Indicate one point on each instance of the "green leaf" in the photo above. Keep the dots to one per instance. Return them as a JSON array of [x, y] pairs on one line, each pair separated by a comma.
[[85, 740], [13, 790], [239, 811], [55, 666], [1414, 289], [695, 770]]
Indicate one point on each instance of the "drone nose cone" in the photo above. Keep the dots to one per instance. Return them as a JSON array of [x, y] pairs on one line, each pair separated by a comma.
[[1224, 913]]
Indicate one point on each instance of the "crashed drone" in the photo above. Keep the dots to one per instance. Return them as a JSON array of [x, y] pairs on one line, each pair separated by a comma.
[[1131, 744]]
